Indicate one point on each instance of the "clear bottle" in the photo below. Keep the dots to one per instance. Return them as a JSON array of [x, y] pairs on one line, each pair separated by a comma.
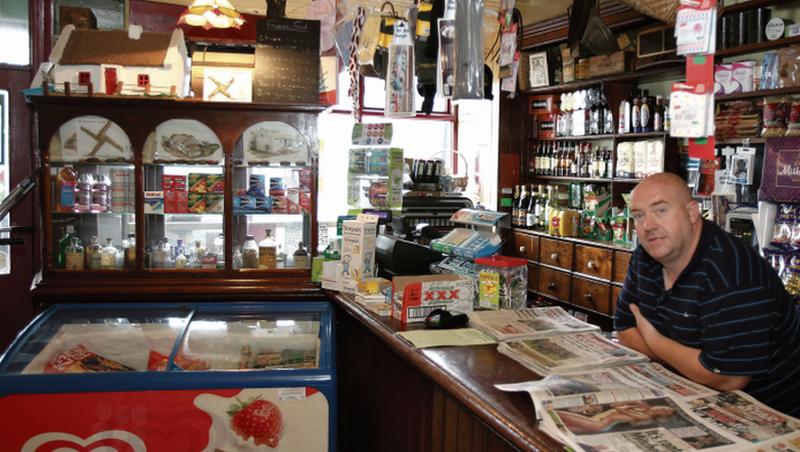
[[237, 259], [92, 254], [268, 252], [281, 258], [195, 255], [108, 256], [180, 260], [66, 181], [301, 257], [73, 255], [129, 251], [250, 253], [178, 250], [219, 249], [63, 243]]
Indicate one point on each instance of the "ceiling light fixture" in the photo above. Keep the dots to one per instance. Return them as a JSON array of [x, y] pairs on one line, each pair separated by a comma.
[[211, 14]]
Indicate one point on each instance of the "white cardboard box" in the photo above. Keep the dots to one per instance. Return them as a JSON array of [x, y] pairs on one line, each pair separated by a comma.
[[358, 251]]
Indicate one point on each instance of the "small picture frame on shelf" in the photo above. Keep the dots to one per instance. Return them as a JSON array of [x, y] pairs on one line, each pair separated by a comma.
[[537, 69]]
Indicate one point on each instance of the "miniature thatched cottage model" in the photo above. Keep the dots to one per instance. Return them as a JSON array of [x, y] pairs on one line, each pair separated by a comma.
[[145, 63]]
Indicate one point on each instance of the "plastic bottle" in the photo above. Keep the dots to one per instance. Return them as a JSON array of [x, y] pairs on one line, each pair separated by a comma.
[[66, 181], [267, 252], [108, 256], [73, 255], [83, 193], [101, 189], [250, 253]]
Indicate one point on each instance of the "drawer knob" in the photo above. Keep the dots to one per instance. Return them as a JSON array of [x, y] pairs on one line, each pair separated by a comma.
[[551, 286], [522, 249], [589, 298], [591, 265], [554, 256]]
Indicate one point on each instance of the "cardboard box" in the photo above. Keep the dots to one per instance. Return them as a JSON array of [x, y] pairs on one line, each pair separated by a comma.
[[599, 65], [358, 251], [197, 202], [154, 202], [215, 202], [414, 297], [542, 103], [197, 183]]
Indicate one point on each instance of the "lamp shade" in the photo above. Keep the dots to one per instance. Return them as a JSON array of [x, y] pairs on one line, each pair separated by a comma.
[[211, 14]]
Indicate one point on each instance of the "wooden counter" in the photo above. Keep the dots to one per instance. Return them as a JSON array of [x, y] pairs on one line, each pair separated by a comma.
[[436, 399]]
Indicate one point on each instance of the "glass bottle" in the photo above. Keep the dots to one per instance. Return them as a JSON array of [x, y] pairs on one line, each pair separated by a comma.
[[129, 251], [250, 253], [195, 255], [268, 252], [108, 256], [237, 259], [66, 180], [219, 248], [83, 193], [521, 210], [179, 250], [63, 243], [515, 206], [92, 254], [301, 257], [101, 193], [73, 255], [180, 260]]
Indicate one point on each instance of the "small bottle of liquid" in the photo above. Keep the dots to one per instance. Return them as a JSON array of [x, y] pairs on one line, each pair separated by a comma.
[[268, 252], [301, 256], [180, 260], [237, 259], [83, 193], [219, 249], [101, 193], [108, 256], [73, 255], [92, 254], [129, 251], [250, 258], [63, 243], [66, 181]]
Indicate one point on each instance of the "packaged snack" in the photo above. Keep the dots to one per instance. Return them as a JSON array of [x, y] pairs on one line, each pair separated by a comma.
[[784, 223], [215, 202], [197, 183], [79, 359], [793, 128], [742, 80], [257, 186], [789, 67], [197, 202], [775, 116], [215, 183], [769, 71], [625, 160], [792, 277]]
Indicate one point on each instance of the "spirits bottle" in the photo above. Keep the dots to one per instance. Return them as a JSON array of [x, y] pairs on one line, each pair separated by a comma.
[[66, 240], [66, 181], [73, 255], [250, 253], [515, 206], [92, 254], [108, 256], [636, 116], [129, 251], [301, 258], [521, 210]]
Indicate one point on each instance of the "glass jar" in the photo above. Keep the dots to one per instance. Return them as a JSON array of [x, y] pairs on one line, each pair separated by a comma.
[[250, 253]]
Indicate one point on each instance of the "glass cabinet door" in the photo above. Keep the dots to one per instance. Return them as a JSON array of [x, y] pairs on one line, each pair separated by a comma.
[[183, 164], [272, 180], [93, 197]]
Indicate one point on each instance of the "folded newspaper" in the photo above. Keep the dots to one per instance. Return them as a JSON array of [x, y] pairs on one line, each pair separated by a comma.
[[528, 323], [645, 407], [569, 353]]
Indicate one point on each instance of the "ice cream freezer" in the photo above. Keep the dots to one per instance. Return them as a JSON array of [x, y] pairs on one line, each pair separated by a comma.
[[172, 377]]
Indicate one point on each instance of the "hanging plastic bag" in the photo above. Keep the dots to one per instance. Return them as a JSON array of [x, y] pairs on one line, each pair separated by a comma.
[[445, 76], [400, 75], [389, 18], [469, 50], [425, 66], [368, 44]]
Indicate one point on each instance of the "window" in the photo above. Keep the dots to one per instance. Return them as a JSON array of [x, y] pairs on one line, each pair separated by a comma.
[[143, 80], [14, 32], [84, 78]]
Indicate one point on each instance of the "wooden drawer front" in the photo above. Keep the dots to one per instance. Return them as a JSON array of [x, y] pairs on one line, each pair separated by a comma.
[[591, 295], [594, 261], [532, 251], [556, 252], [615, 290], [621, 261], [533, 277], [554, 283], [520, 244]]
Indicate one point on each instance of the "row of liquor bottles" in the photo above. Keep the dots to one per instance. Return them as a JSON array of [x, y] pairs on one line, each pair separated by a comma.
[[571, 159], [530, 206]]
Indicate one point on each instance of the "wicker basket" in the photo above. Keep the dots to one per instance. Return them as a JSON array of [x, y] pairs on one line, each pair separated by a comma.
[[663, 10]]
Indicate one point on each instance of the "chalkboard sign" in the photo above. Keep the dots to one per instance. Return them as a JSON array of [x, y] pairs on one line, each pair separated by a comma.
[[287, 61]]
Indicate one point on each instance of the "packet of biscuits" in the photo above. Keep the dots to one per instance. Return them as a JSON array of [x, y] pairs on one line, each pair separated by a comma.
[[79, 359]]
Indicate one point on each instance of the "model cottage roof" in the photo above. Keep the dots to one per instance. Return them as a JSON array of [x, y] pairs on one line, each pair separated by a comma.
[[115, 47]]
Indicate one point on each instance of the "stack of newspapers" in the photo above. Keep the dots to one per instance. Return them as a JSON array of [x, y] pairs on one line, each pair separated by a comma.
[[550, 341], [597, 395]]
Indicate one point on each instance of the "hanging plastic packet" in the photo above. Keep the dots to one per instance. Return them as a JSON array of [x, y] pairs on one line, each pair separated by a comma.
[[784, 222], [368, 44], [445, 77], [425, 66], [469, 50], [400, 76]]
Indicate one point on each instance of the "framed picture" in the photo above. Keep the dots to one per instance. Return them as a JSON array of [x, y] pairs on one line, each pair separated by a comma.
[[537, 69]]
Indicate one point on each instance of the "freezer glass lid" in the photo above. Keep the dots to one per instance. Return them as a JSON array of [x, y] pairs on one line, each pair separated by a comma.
[[75, 340], [251, 342]]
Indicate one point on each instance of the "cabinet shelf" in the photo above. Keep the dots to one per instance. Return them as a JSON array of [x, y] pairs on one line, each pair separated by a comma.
[[757, 47], [579, 138], [614, 136], [114, 163], [757, 94], [91, 214], [743, 6], [570, 178], [205, 163]]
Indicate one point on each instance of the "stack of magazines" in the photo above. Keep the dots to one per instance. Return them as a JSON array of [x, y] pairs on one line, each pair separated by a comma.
[[599, 395], [550, 341]]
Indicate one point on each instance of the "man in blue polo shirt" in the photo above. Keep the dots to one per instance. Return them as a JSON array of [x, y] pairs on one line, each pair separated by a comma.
[[704, 303]]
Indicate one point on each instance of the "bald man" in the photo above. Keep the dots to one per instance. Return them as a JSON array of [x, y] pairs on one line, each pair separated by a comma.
[[701, 301]]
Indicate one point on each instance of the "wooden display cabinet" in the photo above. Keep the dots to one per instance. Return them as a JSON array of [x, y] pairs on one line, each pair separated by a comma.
[[212, 147]]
